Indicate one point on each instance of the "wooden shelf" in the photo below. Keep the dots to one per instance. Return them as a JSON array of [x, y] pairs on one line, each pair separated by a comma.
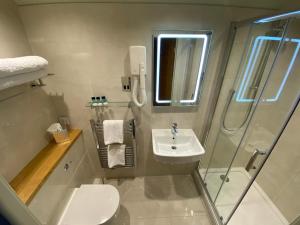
[[27, 183]]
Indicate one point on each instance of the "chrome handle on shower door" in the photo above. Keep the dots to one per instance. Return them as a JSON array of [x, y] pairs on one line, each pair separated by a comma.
[[253, 158]]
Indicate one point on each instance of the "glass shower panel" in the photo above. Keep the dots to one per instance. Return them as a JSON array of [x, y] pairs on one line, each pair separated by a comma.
[[272, 198], [272, 111], [231, 70], [239, 94]]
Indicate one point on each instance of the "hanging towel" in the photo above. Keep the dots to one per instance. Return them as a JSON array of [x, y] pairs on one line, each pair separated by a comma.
[[116, 155], [113, 131], [21, 65]]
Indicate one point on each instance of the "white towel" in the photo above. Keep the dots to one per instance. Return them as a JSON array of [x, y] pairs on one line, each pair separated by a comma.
[[18, 79], [21, 65], [113, 131], [116, 155]]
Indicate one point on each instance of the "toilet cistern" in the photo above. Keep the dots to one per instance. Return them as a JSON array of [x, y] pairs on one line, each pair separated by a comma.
[[174, 130]]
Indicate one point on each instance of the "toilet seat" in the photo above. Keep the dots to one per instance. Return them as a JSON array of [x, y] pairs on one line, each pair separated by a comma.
[[92, 204]]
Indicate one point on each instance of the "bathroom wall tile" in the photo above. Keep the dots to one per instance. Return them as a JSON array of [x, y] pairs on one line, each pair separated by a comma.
[[23, 133]]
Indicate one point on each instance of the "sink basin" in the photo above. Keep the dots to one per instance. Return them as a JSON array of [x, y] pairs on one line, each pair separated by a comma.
[[186, 147]]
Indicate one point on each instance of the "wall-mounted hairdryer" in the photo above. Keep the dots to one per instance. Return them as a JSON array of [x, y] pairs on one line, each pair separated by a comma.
[[137, 56]]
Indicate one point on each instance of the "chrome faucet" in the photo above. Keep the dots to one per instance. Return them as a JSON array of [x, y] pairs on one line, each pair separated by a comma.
[[174, 130]]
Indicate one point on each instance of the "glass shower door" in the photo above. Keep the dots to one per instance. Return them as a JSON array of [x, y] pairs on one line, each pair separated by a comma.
[[252, 114], [278, 99], [250, 61]]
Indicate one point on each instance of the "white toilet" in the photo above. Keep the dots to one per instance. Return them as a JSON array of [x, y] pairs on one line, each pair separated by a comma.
[[91, 204]]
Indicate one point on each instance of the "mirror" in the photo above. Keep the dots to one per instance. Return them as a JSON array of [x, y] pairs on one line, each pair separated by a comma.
[[179, 66]]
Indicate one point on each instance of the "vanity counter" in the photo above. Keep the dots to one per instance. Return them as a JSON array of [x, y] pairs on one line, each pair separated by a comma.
[[27, 183]]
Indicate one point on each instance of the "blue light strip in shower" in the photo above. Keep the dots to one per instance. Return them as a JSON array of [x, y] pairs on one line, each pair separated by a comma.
[[287, 72], [278, 17], [251, 64], [249, 70], [254, 53]]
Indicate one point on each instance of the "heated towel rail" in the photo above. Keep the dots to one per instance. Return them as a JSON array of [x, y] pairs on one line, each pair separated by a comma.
[[129, 141]]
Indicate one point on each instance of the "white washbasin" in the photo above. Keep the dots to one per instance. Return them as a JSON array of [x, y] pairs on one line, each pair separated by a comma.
[[184, 148]]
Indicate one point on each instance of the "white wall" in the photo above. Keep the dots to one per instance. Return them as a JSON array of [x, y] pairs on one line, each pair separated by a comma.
[[25, 117], [13, 39], [87, 46]]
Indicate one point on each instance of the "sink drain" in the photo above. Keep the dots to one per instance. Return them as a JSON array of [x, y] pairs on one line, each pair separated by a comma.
[[173, 147]]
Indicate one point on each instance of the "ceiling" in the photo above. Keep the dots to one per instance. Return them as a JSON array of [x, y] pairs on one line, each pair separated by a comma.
[[267, 4]]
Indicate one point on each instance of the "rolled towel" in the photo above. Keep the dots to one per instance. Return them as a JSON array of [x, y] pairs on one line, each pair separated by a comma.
[[113, 131], [20, 65], [116, 155]]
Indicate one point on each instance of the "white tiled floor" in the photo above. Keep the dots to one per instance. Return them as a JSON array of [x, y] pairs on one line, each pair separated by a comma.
[[160, 200]]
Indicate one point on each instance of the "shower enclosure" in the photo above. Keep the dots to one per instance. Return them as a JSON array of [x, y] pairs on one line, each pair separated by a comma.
[[247, 164]]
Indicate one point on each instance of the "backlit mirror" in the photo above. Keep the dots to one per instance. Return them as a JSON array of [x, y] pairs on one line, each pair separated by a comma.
[[179, 67]]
